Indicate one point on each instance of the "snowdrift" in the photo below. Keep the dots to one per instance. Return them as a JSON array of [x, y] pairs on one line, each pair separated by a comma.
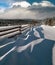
[[34, 47]]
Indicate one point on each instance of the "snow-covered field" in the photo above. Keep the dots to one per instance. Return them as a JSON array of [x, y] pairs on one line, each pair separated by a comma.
[[49, 32], [36, 46]]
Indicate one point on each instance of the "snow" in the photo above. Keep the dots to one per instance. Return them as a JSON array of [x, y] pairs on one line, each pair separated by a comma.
[[53, 26], [32, 44], [7, 53], [24, 25], [26, 37], [7, 44], [40, 37], [27, 33], [54, 55], [49, 32], [36, 33]]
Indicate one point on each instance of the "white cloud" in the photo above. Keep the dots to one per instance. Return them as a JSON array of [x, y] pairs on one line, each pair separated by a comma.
[[18, 13], [44, 4], [35, 3], [25, 13], [2, 10], [22, 4], [28, 11]]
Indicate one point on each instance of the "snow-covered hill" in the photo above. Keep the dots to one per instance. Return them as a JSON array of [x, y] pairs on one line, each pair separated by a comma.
[[34, 47]]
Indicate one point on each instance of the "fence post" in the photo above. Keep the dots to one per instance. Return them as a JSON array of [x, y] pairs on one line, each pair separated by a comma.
[[20, 31]]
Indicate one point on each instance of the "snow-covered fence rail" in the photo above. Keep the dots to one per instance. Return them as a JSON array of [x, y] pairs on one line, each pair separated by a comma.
[[6, 28], [8, 31], [12, 31]]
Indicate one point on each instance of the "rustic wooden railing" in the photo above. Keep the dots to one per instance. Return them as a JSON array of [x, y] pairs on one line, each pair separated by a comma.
[[13, 31]]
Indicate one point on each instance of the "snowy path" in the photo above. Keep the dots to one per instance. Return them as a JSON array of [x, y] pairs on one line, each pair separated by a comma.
[[1, 58], [36, 33], [53, 55], [36, 45], [32, 44], [49, 32], [7, 44]]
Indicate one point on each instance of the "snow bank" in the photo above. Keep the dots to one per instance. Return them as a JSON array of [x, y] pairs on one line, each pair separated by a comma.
[[36, 33], [54, 55], [32, 44], [7, 44], [53, 26], [1, 58], [49, 32]]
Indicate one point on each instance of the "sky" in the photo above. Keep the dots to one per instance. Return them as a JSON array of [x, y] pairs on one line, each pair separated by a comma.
[[5, 3], [27, 9]]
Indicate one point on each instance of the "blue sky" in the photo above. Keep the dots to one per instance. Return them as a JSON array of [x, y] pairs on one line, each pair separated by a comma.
[[5, 3], [31, 1], [53, 1]]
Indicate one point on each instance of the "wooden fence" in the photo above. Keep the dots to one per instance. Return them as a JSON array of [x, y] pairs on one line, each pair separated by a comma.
[[12, 31]]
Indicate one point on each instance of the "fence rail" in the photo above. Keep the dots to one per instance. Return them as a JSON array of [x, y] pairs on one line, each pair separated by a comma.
[[13, 31]]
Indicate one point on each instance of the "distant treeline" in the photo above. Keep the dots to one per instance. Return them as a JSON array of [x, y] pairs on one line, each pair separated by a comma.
[[50, 21], [6, 22], [47, 21]]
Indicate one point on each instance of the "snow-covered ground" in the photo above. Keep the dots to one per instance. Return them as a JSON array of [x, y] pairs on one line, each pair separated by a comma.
[[53, 59], [49, 32], [36, 46]]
